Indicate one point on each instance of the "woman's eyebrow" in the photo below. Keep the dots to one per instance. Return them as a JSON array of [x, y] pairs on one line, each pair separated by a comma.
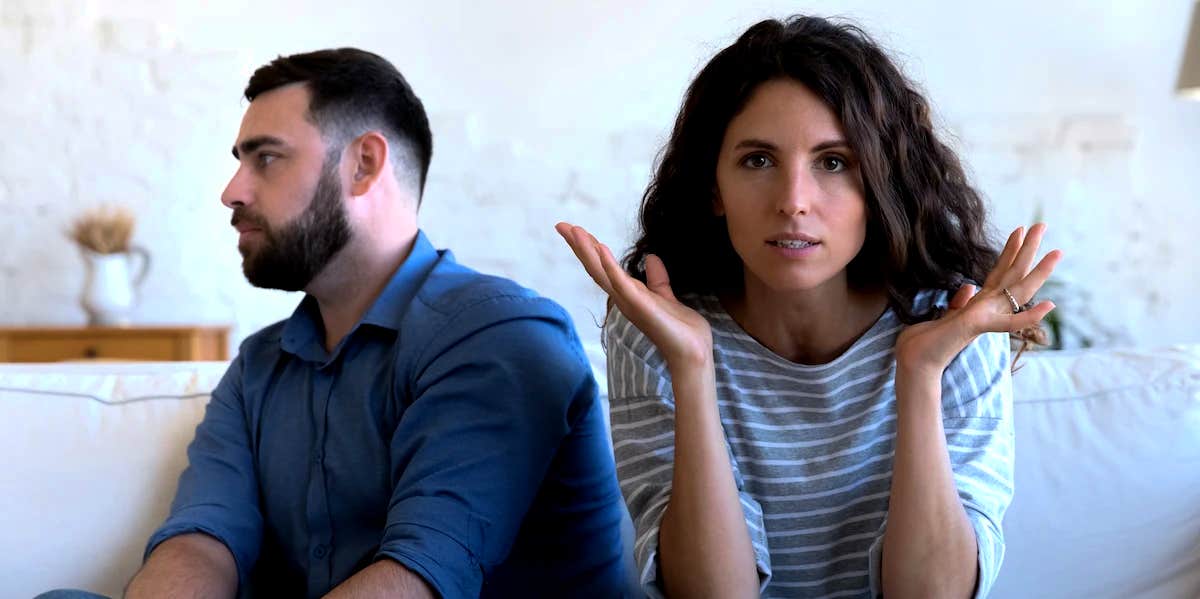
[[761, 144], [756, 143], [830, 144]]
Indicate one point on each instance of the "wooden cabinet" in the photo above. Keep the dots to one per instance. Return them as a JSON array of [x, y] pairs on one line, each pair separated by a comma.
[[151, 343]]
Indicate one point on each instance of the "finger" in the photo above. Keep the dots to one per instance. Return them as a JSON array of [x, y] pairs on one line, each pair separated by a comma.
[[1026, 288], [1029, 318], [627, 292], [592, 260], [584, 247], [1004, 262], [1024, 260], [657, 279], [961, 297]]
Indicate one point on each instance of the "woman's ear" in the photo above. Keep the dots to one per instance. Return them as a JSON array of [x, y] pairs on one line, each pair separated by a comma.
[[718, 207], [369, 157]]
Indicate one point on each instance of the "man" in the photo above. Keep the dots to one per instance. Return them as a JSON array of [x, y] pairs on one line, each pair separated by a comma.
[[414, 429]]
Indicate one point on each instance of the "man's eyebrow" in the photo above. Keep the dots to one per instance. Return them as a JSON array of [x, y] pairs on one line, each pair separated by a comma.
[[249, 145]]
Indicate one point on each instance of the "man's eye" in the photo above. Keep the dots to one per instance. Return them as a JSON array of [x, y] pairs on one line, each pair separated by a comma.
[[265, 159], [833, 164], [757, 161]]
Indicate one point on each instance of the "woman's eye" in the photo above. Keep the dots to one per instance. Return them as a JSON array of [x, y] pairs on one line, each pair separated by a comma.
[[757, 161], [832, 164]]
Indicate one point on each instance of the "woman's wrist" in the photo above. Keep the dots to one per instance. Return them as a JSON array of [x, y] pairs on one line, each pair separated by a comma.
[[919, 368], [688, 366]]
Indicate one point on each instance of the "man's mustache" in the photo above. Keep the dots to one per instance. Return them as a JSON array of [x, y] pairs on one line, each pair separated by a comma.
[[240, 214]]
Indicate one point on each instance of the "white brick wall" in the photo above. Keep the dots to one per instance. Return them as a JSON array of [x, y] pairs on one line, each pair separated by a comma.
[[546, 111]]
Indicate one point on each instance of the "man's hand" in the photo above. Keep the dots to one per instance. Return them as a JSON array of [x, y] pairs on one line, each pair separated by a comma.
[[184, 567]]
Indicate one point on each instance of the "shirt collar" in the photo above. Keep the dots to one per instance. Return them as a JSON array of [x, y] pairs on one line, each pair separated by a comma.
[[303, 331], [389, 308]]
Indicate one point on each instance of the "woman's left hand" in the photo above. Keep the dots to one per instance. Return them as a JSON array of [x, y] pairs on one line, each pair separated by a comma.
[[930, 346]]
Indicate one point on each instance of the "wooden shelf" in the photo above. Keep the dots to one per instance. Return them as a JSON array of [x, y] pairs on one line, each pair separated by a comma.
[[150, 343]]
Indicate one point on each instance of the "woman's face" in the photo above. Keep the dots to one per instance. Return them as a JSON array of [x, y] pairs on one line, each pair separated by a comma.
[[790, 190]]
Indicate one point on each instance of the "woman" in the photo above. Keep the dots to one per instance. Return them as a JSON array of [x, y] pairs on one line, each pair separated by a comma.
[[816, 401]]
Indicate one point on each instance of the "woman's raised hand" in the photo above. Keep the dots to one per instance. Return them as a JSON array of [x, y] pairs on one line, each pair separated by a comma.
[[680, 333], [1003, 304]]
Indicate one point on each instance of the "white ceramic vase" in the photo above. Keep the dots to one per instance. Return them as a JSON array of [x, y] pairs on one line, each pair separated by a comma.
[[110, 289]]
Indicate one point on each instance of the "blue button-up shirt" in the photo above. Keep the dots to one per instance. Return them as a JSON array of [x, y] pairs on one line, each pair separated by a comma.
[[455, 430]]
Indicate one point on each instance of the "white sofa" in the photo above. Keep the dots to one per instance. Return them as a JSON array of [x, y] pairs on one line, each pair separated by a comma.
[[1108, 472]]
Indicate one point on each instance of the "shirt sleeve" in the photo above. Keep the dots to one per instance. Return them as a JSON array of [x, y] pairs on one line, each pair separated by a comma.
[[494, 394], [218, 491], [977, 418], [642, 413]]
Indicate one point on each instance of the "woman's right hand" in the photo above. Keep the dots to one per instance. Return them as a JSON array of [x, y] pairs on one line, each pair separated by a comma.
[[680, 333]]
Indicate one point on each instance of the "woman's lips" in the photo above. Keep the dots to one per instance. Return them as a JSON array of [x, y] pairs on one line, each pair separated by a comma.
[[793, 248]]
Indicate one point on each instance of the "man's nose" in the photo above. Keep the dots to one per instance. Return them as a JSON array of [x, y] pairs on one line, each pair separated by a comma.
[[237, 191]]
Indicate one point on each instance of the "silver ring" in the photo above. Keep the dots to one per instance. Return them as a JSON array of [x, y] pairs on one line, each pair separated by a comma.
[[1017, 308]]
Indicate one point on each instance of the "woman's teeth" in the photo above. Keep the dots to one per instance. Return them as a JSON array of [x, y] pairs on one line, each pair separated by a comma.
[[791, 244]]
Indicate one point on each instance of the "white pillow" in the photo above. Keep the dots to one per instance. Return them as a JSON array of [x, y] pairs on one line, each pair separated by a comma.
[[1107, 474], [92, 456]]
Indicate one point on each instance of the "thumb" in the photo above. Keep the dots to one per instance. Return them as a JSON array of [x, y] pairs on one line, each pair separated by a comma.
[[657, 279], [962, 296]]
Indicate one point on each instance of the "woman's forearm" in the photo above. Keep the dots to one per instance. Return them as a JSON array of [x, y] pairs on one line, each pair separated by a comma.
[[704, 546], [929, 547]]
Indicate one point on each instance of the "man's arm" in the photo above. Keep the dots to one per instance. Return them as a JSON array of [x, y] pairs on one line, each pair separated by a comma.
[[384, 578], [186, 566], [492, 399], [212, 536]]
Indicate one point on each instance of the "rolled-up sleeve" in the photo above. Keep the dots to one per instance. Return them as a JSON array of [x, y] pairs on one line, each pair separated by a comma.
[[977, 418], [218, 491], [642, 412], [495, 392]]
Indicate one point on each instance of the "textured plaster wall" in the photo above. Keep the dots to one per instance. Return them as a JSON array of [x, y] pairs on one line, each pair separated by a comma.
[[555, 110]]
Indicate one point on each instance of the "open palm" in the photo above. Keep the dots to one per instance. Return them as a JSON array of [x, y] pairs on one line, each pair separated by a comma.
[[679, 332], [934, 343]]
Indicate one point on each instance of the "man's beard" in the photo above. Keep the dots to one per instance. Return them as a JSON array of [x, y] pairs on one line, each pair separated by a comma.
[[289, 258]]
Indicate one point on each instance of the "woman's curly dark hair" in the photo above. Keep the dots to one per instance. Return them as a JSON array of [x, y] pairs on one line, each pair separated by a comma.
[[926, 224]]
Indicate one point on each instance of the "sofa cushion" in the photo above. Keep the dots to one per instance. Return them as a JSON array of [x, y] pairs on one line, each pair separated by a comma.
[[92, 455], [1107, 475]]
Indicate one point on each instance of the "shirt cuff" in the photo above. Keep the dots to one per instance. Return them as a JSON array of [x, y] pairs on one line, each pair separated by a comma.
[[875, 563], [990, 542], [445, 563], [650, 580], [989, 555]]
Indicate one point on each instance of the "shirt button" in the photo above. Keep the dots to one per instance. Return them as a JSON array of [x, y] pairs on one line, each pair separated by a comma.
[[318, 458], [320, 551]]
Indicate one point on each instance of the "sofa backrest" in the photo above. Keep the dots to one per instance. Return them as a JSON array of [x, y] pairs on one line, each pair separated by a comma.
[[92, 455], [1107, 474]]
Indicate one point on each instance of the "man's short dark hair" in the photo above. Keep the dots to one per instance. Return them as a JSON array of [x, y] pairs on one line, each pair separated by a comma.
[[354, 91]]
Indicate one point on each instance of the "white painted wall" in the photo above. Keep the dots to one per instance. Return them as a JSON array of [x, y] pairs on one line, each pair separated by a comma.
[[555, 110]]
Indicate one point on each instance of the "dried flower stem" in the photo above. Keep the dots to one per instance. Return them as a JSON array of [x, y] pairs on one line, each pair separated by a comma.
[[104, 230]]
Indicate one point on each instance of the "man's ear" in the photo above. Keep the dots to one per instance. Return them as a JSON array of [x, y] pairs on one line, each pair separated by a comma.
[[369, 159]]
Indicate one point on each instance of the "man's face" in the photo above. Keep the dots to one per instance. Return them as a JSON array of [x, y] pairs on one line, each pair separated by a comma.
[[286, 195]]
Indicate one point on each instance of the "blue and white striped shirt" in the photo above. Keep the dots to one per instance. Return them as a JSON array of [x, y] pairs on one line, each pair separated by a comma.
[[811, 448]]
